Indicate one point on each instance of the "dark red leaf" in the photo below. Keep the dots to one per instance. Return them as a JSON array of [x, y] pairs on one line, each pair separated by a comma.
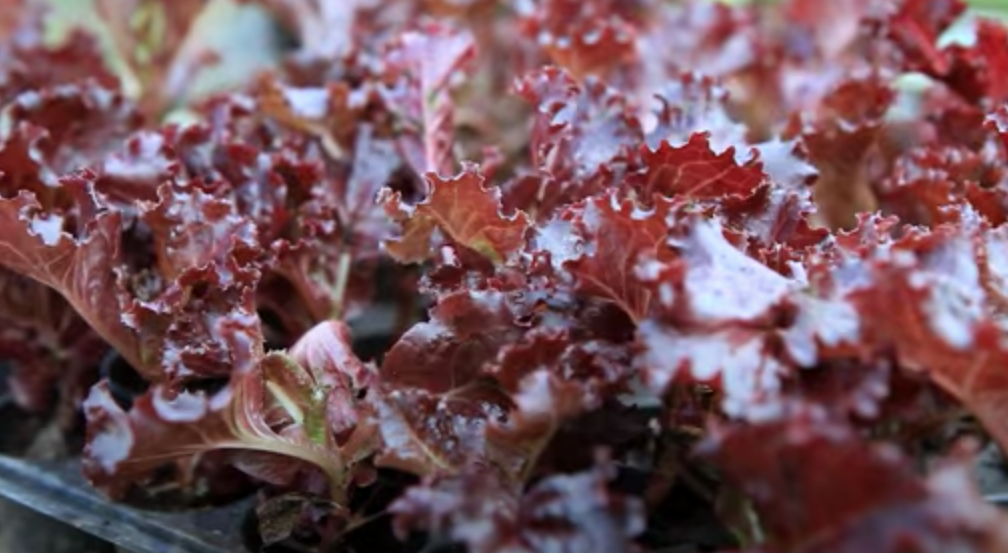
[[694, 171], [425, 63], [915, 27], [34, 243], [465, 210], [465, 331], [839, 143], [429, 433], [735, 323], [938, 316], [585, 38], [583, 138], [48, 345], [873, 500], [562, 513], [600, 242]]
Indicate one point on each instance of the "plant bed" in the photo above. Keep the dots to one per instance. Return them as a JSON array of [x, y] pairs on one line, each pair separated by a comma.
[[495, 276]]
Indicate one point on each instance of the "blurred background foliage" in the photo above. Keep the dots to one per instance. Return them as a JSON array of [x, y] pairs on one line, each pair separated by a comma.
[[247, 40], [243, 35]]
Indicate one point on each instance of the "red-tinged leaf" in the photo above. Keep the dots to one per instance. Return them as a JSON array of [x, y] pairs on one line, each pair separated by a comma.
[[324, 273], [544, 403], [702, 288], [446, 358], [875, 477], [610, 236], [28, 63], [922, 201], [489, 514], [778, 219], [993, 268], [599, 367], [938, 318], [972, 70], [694, 171], [164, 301], [736, 361], [873, 231], [212, 234], [915, 27], [463, 209], [325, 351], [432, 56], [664, 241], [587, 124], [266, 176], [554, 13], [81, 122], [314, 208], [720, 283], [584, 135], [538, 348], [21, 15], [839, 141], [832, 27], [279, 408], [693, 104], [930, 186], [29, 60], [476, 507], [714, 39], [577, 37], [324, 112], [733, 322], [825, 325], [52, 351], [325, 225], [595, 48], [126, 447], [348, 124], [22, 169], [136, 170], [425, 64], [428, 433], [997, 121], [951, 121], [465, 331], [331, 263], [35, 244], [374, 165], [206, 259], [874, 501], [847, 388]]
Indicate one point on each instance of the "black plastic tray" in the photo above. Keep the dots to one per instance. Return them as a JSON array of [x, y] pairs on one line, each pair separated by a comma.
[[59, 490]]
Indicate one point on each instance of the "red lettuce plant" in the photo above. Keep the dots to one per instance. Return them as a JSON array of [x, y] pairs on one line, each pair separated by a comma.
[[659, 273]]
